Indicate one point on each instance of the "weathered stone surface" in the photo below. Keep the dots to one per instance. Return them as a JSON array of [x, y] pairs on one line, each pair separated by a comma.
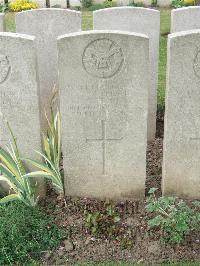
[[19, 103], [2, 22], [187, 18], [122, 2], [47, 24], [140, 20], [103, 79], [181, 167], [75, 3]]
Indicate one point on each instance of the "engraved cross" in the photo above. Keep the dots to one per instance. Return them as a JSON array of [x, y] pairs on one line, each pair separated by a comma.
[[103, 139]]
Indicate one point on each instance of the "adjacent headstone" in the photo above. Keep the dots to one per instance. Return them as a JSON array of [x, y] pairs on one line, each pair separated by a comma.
[[103, 79], [187, 18], [19, 101], [161, 3], [123, 2], [2, 22], [181, 167], [58, 3], [47, 24], [116, 2], [140, 20], [74, 3], [41, 3]]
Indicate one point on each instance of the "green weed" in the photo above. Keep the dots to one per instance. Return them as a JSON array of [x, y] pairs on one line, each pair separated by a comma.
[[175, 217], [26, 233]]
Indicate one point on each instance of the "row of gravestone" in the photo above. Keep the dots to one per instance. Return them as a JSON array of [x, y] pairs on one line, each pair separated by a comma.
[[48, 24], [77, 3], [104, 83]]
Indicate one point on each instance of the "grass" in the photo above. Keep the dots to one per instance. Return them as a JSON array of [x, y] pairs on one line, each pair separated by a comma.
[[87, 24], [165, 20], [162, 73], [10, 22], [87, 21], [132, 264], [26, 233]]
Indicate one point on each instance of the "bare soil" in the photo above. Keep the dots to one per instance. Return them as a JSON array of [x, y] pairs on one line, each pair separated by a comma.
[[134, 243]]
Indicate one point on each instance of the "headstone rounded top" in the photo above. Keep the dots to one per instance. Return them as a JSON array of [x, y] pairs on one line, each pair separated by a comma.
[[19, 93], [185, 9], [182, 125], [187, 18], [184, 33], [178, 37], [140, 20], [127, 8], [48, 10], [100, 32], [14, 39], [103, 84], [47, 24], [17, 36]]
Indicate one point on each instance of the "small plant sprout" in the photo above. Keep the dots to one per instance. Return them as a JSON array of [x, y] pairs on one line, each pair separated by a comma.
[[103, 223], [13, 172]]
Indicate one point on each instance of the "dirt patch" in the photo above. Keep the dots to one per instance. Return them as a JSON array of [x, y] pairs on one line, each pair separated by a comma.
[[134, 243], [154, 165]]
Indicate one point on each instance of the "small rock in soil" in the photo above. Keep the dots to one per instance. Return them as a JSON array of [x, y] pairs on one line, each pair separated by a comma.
[[68, 245], [130, 221], [61, 252], [154, 248]]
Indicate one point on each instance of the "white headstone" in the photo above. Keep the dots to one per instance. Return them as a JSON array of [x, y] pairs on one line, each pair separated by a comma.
[[140, 20], [187, 18], [181, 165], [41, 3], [47, 24], [58, 3], [19, 101], [103, 78], [75, 3], [162, 3], [2, 22], [122, 2]]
